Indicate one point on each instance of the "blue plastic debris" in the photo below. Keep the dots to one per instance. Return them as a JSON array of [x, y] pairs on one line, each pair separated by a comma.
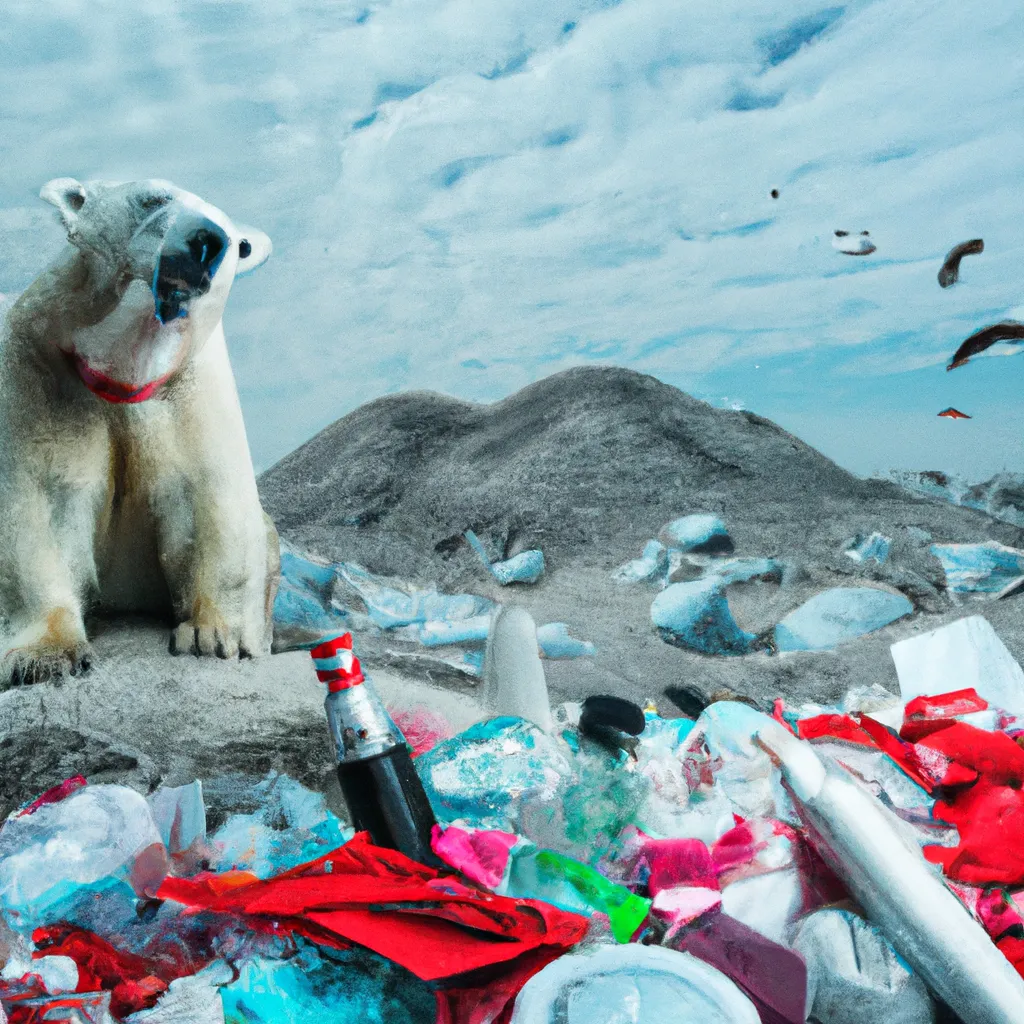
[[835, 616], [291, 826], [741, 570], [94, 837], [697, 533], [696, 615], [460, 631], [486, 774], [874, 547], [526, 567], [651, 564], [979, 568], [389, 607], [555, 642], [317, 985]]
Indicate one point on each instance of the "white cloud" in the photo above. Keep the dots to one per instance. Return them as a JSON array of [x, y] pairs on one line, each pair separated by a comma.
[[540, 183]]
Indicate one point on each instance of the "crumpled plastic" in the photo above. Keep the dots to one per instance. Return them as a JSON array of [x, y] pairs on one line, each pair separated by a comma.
[[854, 974], [63, 842], [433, 925]]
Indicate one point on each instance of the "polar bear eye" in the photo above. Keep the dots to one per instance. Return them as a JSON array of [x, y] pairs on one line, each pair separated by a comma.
[[154, 202], [244, 248]]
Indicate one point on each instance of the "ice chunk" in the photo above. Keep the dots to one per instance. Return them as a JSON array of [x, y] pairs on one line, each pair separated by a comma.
[[652, 564], [854, 976], [874, 547], [696, 615], [979, 568], [838, 615], [555, 642], [697, 533], [966, 653], [742, 570], [633, 984], [99, 832], [514, 682]]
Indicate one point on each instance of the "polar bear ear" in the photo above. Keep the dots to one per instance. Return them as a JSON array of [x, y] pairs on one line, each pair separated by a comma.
[[254, 249], [67, 195]]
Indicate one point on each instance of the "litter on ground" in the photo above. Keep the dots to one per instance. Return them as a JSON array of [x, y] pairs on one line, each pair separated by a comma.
[[850, 863]]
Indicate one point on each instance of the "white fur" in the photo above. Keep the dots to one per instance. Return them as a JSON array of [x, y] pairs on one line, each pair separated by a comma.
[[148, 506]]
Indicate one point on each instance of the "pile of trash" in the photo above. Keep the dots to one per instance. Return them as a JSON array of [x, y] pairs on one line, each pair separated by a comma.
[[847, 864]]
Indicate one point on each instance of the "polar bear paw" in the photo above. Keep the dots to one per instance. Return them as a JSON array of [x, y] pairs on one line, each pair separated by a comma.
[[209, 633], [61, 650]]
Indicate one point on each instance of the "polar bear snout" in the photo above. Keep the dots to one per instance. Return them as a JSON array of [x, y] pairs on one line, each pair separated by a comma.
[[192, 252]]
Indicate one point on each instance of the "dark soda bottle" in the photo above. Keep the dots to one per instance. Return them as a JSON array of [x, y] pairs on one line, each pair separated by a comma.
[[378, 780]]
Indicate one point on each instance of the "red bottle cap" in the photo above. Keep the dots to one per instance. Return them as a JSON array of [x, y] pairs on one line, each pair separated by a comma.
[[335, 663]]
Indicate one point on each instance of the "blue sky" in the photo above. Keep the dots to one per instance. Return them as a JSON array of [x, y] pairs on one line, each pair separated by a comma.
[[467, 195]]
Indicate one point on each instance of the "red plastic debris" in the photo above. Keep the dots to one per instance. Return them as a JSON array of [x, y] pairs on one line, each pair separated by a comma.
[[433, 925], [978, 777], [81, 1008], [925, 715], [134, 983], [54, 795], [983, 795]]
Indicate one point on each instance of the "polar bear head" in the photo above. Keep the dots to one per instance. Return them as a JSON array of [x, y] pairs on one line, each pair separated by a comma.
[[150, 271]]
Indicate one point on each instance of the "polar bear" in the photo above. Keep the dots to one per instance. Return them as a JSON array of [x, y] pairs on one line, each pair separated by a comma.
[[126, 481]]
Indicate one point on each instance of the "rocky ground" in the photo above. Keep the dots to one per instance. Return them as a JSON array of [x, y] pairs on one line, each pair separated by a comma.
[[587, 466]]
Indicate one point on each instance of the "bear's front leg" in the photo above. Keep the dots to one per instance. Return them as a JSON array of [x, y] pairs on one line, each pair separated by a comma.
[[217, 556], [46, 571]]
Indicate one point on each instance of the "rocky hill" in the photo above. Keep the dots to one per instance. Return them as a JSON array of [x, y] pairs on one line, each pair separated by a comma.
[[587, 465]]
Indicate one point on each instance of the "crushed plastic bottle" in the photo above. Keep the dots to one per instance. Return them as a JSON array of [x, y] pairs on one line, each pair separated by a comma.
[[98, 834], [566, 883], [487, 774]]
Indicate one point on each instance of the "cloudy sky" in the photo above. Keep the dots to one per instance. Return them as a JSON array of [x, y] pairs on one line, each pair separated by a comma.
[[468, 195]]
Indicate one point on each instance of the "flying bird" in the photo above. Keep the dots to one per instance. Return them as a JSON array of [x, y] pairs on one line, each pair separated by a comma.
[[954, 414], [1006, 330], [950, 272], [853, 245]]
